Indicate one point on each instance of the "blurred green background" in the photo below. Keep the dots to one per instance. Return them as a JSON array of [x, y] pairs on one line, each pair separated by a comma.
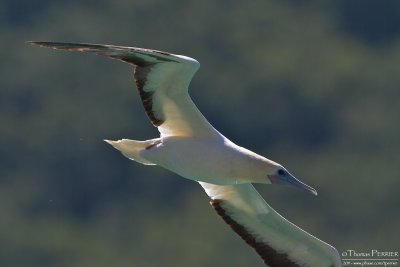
[[314, 85]]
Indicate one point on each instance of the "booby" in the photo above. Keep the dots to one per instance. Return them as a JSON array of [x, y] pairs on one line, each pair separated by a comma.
[[191, 147]]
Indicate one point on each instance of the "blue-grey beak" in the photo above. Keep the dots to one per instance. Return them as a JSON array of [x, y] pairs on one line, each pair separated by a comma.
[[292, 181]]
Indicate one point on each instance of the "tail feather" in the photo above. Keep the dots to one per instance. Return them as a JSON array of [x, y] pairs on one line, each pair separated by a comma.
[[132, 148]]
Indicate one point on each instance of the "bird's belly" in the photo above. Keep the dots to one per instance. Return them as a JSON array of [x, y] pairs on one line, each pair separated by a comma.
[[200, 160]]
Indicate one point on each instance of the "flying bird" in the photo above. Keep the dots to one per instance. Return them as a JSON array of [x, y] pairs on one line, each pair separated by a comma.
[[192, 148]]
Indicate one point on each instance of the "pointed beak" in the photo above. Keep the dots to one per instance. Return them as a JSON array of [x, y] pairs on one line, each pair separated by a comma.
[[292, 181]]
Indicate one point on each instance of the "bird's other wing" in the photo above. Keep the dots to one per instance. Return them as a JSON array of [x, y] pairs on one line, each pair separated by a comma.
[[162, 80], [278, 241]]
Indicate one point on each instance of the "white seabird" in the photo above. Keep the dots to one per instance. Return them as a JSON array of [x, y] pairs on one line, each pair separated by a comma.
[[190, 146]]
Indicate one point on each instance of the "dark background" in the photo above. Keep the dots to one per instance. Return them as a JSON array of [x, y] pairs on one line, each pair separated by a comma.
[[313, 85]]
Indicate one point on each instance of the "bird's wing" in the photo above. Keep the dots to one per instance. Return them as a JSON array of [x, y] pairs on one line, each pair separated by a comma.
[[162, 80], [275, 239]]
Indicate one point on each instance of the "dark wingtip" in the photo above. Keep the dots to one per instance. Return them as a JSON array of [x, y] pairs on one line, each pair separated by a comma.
[[39, 43], [54, 45], [68, 46], [32, 42]]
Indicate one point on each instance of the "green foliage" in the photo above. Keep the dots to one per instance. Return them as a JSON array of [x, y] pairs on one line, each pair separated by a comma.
[[300, 82]]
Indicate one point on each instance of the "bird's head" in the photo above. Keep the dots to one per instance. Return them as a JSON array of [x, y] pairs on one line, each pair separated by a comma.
[[279, 175]]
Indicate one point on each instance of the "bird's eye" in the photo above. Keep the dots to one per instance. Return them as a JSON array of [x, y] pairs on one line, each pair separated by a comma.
[[282, 172]]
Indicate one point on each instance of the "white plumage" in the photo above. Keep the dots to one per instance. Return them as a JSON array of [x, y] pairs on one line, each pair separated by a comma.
[[190, 146]]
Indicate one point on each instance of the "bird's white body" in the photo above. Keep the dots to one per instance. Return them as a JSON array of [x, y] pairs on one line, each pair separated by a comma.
[[209, 159], [189, 146]]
